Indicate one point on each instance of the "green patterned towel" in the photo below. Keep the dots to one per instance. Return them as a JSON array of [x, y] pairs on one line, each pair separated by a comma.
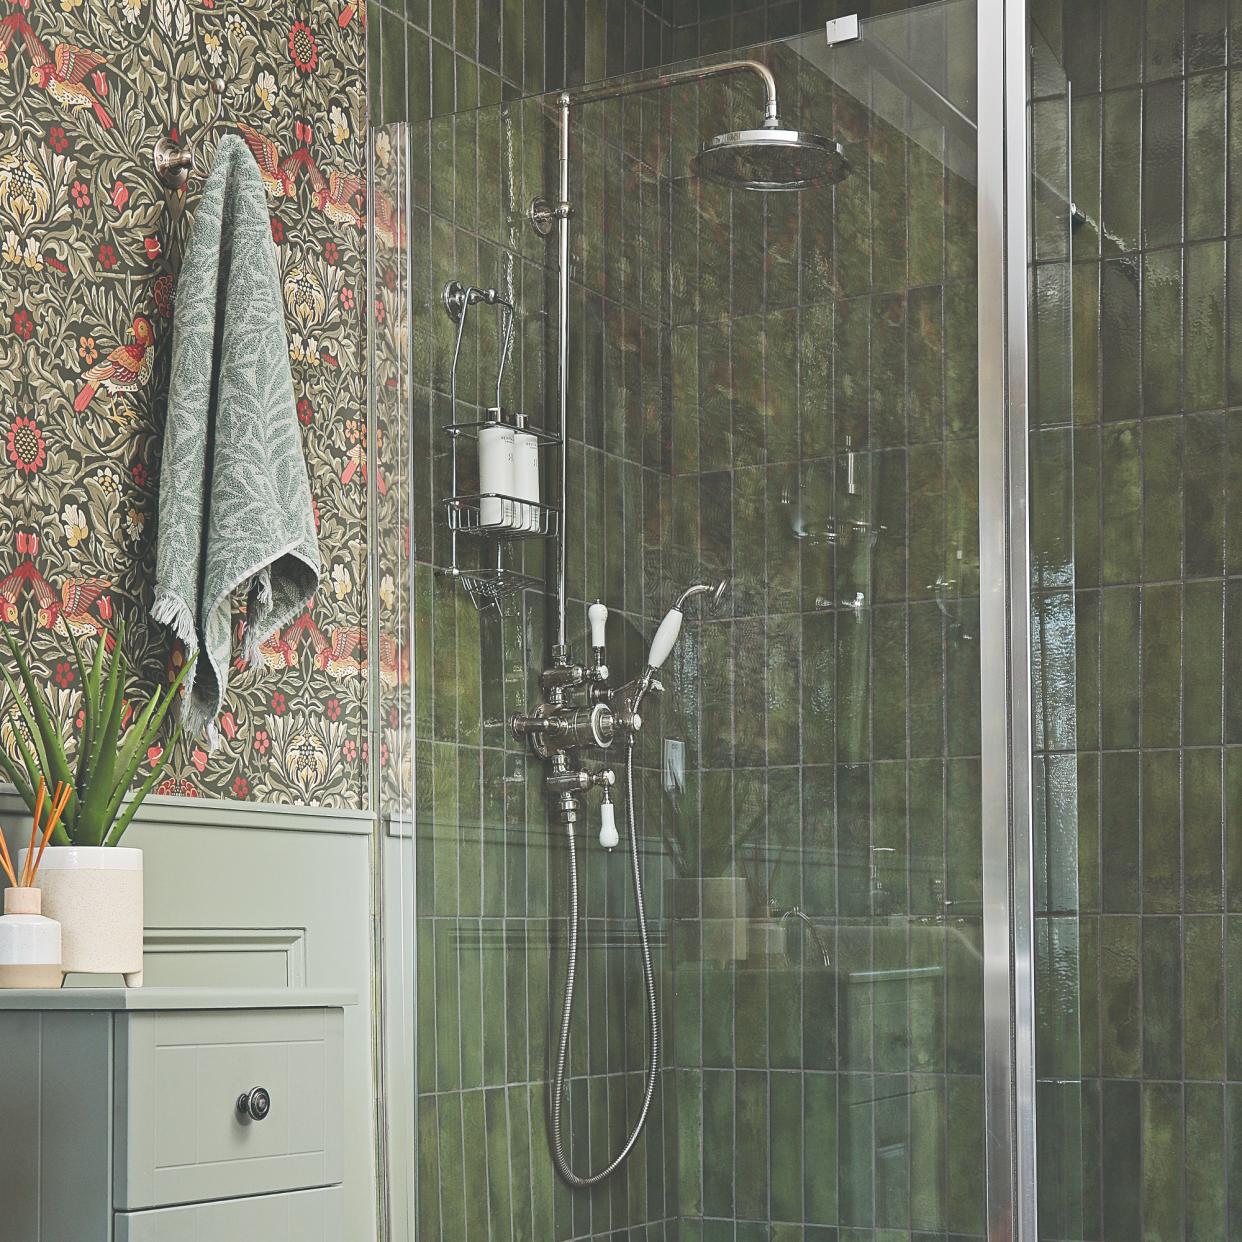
[[235, 502]]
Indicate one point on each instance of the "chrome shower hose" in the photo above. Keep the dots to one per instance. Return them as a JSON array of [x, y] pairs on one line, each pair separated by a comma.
[[563, 1166]]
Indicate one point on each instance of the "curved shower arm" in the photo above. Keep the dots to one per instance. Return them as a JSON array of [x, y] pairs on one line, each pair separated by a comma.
[[660, 81]]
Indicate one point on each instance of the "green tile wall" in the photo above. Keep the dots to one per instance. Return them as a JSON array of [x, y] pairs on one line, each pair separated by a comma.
[[724, 350], [1135, 469]]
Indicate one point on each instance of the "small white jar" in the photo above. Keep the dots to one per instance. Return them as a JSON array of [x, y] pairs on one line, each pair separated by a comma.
[[29, 943]]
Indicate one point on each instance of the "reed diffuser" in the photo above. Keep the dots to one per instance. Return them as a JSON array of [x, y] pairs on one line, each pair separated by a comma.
[[29, 943]]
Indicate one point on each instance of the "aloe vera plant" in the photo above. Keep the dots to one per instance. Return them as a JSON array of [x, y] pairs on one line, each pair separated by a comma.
[[109, 755]]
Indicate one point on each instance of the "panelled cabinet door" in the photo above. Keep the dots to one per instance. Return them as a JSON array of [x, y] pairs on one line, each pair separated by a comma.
[[182, 1137]]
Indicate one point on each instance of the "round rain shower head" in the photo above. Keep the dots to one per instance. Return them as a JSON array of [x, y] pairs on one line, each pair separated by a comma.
[[771, 158]]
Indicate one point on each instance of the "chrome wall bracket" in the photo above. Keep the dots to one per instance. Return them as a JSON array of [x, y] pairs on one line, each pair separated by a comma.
[[543, 215]]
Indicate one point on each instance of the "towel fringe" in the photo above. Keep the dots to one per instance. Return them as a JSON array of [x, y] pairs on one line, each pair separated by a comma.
[[170, 610]]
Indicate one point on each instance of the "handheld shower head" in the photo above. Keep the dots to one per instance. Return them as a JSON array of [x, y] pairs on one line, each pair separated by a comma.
[[670, 628]]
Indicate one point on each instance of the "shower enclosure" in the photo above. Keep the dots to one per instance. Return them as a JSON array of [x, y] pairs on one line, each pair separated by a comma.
[[819, 397]]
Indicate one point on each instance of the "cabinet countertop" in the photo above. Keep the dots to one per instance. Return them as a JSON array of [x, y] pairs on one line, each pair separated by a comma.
[[148, 999]]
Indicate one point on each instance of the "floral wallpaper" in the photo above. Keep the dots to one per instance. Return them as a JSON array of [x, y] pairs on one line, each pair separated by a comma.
[[89, 248]]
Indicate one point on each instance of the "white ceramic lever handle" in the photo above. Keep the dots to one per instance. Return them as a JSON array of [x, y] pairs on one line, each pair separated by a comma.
[[665, 638], [609, 838], [597, 615]]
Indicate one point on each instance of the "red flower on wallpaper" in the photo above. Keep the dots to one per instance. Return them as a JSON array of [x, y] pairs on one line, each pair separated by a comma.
[[241, 787], [138, 472], [57, 139], [63, 676], [262, 741], [347, 299], [80, 193], [107, 257], [331, 253], [278, 231], [27, 449], [306, 411], [303, 50], [349, 749], [332, 709], [278, 703], [23, 325]]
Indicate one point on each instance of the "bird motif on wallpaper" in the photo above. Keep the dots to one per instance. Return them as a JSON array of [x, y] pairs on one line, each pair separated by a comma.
[[338, 196], [394, 661], [126, 369], [11, 26], [63, 75], [70, 611], [389, 222], [274, 168], [343, 654]]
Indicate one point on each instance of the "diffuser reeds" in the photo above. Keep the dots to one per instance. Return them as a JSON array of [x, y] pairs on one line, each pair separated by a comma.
[[40, 835]]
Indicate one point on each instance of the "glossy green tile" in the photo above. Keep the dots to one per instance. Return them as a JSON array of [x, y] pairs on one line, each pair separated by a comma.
[[1164, 992], [1119, 831], [1122, 1172], [1163, 1155], [1120, 697], [1122, 1034], [1161, 646], [1202, 830], [1205, 1170], [1162, 162], [1120, 487], [1122, 169], [965, 1195], [1205, 326], [1206, 163]]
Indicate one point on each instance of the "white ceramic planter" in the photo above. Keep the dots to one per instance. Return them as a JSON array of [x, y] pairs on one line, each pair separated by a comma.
[[95, 894], [29, 943]]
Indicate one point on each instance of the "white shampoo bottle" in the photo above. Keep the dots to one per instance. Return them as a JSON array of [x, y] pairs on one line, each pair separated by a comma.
[[526, 475], [496, 474]]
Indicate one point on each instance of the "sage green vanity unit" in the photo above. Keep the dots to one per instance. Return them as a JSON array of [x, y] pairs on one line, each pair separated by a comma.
[[171, 1115]]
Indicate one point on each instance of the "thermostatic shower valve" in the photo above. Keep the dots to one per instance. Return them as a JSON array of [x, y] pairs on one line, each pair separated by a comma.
[[581, 711]]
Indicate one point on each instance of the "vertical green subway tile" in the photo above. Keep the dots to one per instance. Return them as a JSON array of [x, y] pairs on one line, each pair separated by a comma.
[[1206, 162], [1164, 30], [1203, 842], [1163, 1156], [1120, 336], [1206, 1175], [1120, 474], [1119, 680], [1204, 998], [1162, 162], [1119, 831], [718, 1121], [1202, 663], [1233, 996], [1162, 499], [1162, 646], [1122, 169], [1205, 326], [1163, 993], [1120, 949], [1122, 1168], [751, 1168], [1205, 494], [452, 1182], [965, 1199]]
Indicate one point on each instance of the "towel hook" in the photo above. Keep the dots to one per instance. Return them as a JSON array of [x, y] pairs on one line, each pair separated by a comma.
[[174, 157]]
